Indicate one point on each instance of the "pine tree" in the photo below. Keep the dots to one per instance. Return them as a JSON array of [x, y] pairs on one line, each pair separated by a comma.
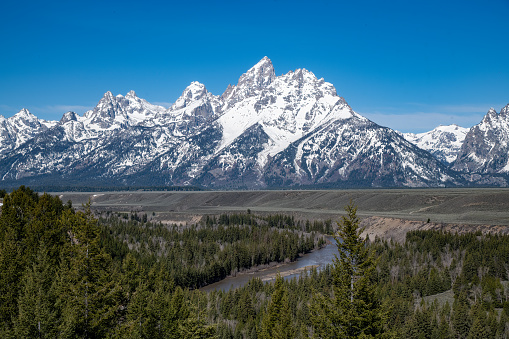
[[480, 328], [26, 221], [461, 320], [245, 310], [37, 315], [11, 267], [88, 294], [16, 213], [444, 329], [353, 311], [277, 321]]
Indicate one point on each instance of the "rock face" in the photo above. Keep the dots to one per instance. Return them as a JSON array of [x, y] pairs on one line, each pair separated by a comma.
[[444, 142], [291, 130], [19, 128], [486, 146]]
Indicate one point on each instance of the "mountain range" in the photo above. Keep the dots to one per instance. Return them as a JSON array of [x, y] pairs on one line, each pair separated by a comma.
[[266, 131]]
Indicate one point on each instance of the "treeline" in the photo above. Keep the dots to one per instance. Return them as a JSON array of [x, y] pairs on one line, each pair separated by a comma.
[[67, 274], [413, 282], [431, 262], [62, 274], [56, 280], [472, 267], [106, 188], [272, 220], [207, 252]]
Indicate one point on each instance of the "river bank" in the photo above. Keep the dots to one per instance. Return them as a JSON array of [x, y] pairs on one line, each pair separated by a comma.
[[315, 259]]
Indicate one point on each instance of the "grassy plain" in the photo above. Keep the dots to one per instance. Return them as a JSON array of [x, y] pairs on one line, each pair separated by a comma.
[[470, 206]]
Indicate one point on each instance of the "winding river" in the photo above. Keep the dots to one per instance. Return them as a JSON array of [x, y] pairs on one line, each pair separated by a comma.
[[319, 258]]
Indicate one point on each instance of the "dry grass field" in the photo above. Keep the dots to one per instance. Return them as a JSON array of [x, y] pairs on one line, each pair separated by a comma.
[[468, 206]]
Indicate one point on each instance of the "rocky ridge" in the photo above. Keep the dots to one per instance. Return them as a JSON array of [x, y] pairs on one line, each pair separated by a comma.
[[444, 142], [292, 130], [486, 146]]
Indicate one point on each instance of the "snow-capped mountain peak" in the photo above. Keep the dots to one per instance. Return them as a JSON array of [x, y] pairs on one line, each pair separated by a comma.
[[266, 131], [108, 96], [505, 110], [251, 83], [24, 113], [69, 116], [131, 95], [259, 76], [493, 120], [113, 112], [195, 91], [19, 128], [444, 142], [486, 146], [285, 107], [25, 119]]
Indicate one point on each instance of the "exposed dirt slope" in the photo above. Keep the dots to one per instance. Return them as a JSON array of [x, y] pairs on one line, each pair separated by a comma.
[[396, 229]]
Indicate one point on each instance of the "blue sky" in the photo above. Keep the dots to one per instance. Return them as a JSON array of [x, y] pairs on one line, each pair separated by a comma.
[[409, 65]]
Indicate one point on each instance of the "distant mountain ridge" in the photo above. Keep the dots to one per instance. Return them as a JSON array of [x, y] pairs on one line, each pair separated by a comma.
[[266, 131], [444, 142], [486, 146]]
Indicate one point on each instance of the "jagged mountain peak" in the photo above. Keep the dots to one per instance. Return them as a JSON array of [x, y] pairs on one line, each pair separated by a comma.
[[24, 113], [266, 131], [227, 92], [113, 112], [195, 91], [505, 110], [287, 108], [264, 64], [305, 82], [444, 141], [131, 95], [19, 128], [486, 146], [304, 71], [492, 119], [302, 75], [105, 109], [69, 116], [24, 117], [259, 76], [108, 96], [263, 61]]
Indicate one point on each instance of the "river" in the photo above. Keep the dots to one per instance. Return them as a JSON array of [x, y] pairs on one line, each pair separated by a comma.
[[318, 258]]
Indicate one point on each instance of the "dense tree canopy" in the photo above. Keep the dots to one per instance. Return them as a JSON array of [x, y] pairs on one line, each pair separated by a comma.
[[66, 273]]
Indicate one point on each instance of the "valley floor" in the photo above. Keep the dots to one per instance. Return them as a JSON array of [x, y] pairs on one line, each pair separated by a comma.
[[388, 210]]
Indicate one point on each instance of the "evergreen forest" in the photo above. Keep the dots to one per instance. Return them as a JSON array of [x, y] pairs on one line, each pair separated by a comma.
[[68, 273]]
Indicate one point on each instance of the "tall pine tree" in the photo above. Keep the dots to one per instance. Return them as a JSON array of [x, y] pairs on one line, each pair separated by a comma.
[[89, 295], [353, 311], [277, 321], [37, 317]]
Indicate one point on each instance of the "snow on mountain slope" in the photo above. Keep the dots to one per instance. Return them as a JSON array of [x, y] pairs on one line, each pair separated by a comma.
[[358, 151], [19, 128], [114, 112], [444, 142], [486, 145], [192, 110], [287, 107], [266, 131]]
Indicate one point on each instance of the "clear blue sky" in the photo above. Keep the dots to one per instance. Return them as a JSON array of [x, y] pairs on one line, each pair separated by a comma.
[[409, 65]]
